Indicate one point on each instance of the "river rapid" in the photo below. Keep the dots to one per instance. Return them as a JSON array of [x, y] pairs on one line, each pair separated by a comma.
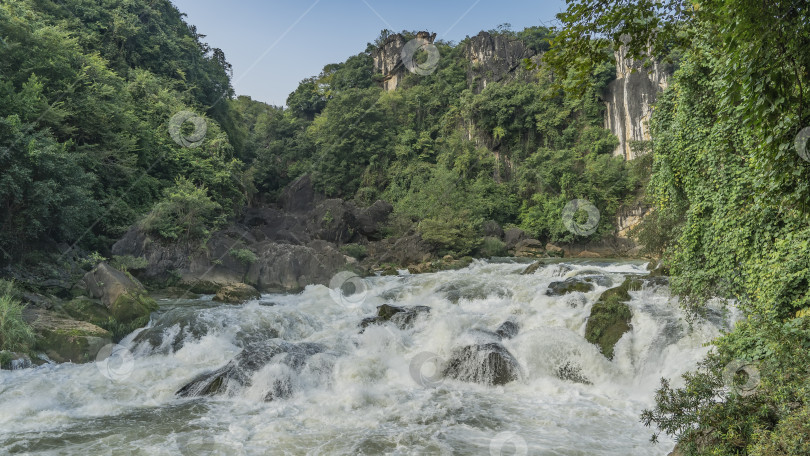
[[377, 391]]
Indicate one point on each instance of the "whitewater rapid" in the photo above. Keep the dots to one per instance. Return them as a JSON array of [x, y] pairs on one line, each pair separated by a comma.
[[371, 392]]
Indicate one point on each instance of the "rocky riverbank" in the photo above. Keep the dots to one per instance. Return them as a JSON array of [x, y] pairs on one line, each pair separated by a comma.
[[304, 239]]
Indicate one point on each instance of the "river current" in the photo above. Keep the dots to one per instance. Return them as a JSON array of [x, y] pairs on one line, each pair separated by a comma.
[[377, 391]]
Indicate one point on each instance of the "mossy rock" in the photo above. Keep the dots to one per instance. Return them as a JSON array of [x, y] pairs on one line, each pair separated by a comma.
[[87, 309], [568, 286], [532, 268], [389, 270], [610, 316], [237, 293], [132, 307], [63, 339]]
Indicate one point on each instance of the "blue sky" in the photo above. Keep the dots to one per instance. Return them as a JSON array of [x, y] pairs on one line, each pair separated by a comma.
[[274, 44]]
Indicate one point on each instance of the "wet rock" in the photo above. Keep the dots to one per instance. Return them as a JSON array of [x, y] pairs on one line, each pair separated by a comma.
[[124, 297], [610, 316], [402, 317], [568, 286], [512, 236], [657, 269], [588, 254], [14, 361], [572, 372], [471, 290], [529, 248], [239, 372], [64, 339], [507, 330], [532, 268], [488, 364], [237, 293]]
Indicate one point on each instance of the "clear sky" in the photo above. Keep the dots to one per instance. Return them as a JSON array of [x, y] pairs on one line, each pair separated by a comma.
[[274, 44]]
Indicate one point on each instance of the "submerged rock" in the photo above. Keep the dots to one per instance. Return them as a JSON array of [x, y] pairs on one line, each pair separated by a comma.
[[241, 369], [568, 286], [487, 363], [402, 317], [572, 372], [507, 330]]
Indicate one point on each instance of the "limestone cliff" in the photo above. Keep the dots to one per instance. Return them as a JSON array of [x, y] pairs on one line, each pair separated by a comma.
[[629, 99], [388, 58], [494, 58]]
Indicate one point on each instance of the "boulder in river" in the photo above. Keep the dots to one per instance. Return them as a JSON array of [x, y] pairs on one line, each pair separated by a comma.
[[507, 330], [568, 286], [64, 339], [529, 248], [123, 296], [402, 317], [486, 363], [236, 293], [239, 372], [610, 316]]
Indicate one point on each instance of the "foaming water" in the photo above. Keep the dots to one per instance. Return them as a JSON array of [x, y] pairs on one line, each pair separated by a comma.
[[360, 393]]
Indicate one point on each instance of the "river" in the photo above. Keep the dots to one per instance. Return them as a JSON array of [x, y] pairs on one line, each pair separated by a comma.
[[375, 392]]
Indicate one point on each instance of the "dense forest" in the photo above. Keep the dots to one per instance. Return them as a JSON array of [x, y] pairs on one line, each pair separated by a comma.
[[86, 133], [90, 93]]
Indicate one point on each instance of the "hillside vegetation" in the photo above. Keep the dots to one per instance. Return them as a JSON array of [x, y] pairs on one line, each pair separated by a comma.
[[91, 91]]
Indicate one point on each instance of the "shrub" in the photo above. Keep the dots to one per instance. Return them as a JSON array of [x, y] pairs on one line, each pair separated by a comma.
[[125, 263], [355, 250], [186, 212], [491, 247], [15, 334], [246, 256]]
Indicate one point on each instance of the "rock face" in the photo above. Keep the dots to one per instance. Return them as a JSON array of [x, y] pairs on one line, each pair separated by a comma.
[[494, 58], [629, 99], [239, 372], [388, 58], [274, 249]]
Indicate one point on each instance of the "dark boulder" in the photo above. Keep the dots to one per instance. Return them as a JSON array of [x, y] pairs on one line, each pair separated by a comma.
[[285, 267], [532, 268], [507, 330], [402, 317], [486, 363], [238, 372], [568, 286], [369, 220], [512, 236]]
